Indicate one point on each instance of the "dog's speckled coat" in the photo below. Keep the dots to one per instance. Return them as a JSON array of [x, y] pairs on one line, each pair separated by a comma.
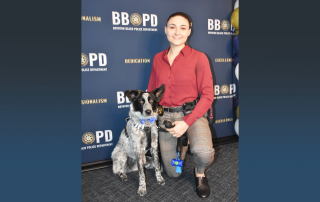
[[129, 153]]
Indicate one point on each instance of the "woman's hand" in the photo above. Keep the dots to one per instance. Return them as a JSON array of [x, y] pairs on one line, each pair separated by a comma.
[[179, 129]]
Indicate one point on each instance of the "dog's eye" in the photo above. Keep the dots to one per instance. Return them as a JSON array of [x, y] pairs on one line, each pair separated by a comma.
[[151, 100], [141, 101]]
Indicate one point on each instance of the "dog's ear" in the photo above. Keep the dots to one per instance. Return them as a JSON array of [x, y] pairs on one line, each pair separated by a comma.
[[158, 93], [131, 94]]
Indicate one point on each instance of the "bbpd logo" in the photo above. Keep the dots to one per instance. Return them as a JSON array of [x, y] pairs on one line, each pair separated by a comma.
[[121, 98], [84, 59], [107, 134], [135, 19], [217, 25], [225, 89], [101, 57], [225, 25], [88, 138]]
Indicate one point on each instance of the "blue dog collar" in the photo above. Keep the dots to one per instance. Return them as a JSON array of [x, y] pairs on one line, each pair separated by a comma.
[[151, 120]]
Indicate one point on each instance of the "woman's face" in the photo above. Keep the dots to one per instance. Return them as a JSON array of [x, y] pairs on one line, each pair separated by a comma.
[[177, 30]]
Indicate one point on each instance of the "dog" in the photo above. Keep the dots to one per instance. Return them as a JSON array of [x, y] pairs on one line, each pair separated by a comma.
[[130, 152]]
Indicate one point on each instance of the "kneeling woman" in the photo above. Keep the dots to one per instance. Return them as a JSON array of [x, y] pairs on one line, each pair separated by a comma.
[[186, 74]]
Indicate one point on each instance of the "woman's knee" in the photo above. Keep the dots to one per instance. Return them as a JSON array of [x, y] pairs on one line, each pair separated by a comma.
[[202, 152], [171, 170], [173, 174]]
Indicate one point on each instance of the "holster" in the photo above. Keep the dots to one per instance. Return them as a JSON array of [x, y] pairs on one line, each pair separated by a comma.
[[189, 106]]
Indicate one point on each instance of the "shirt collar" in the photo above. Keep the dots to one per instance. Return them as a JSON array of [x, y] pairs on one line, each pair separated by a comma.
[[185, 51]]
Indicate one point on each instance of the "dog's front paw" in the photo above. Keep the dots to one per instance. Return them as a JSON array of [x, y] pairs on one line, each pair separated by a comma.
[[142, 190], [160, 180], [123, 177]]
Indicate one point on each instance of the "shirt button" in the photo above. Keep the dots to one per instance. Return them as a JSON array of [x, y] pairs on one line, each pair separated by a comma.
[[169, 87], [169, 96], [169, 77]]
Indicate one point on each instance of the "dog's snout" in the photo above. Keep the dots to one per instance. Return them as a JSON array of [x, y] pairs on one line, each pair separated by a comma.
[[148, 111]]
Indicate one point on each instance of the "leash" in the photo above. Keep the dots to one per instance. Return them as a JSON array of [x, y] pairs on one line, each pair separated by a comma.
[[182, 140]]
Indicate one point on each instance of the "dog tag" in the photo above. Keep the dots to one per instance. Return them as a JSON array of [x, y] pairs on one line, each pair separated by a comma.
[[138, 126], [160, 110]]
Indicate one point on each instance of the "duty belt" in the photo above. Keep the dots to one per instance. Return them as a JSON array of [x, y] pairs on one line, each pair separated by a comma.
[[172, 109], [180, 109]]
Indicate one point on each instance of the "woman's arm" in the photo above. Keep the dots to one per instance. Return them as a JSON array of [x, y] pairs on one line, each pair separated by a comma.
[[205, 88]]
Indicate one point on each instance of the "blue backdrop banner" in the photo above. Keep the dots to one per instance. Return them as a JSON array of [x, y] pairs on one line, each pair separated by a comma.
[[119, 41]]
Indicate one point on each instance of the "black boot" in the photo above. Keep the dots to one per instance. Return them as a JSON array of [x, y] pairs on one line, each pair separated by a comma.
[[202, 186]]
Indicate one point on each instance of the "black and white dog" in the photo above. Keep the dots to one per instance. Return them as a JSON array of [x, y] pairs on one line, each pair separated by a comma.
[[130, 153]]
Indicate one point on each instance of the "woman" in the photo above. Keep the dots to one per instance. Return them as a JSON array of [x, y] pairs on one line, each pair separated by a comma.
[[186, 73]]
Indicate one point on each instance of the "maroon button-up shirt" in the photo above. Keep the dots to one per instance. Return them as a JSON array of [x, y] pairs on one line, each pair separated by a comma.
[[188, 75]]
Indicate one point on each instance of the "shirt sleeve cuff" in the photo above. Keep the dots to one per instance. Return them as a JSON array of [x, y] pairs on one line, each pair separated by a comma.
[[189, 119]]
